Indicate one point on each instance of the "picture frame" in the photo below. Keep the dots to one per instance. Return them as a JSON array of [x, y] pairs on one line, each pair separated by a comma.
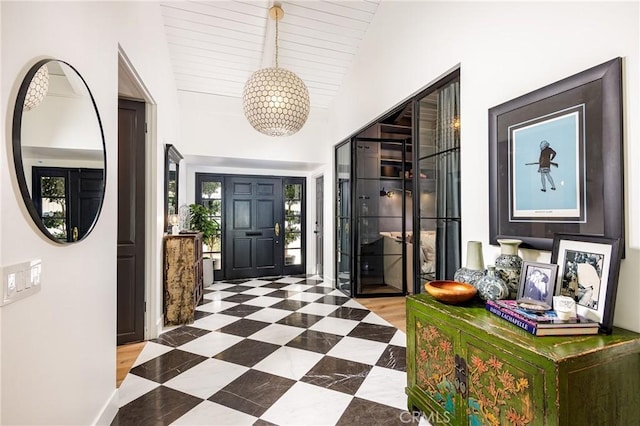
[[589, 266], [547, 155], [538, 281]]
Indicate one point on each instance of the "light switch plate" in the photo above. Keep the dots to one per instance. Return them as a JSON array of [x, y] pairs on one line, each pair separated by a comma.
[[20, 280]]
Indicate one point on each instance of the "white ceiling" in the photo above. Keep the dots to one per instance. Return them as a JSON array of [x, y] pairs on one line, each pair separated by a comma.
[[216, 45]]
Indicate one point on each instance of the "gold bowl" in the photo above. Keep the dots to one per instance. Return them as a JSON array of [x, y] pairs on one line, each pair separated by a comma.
[[453, 292]]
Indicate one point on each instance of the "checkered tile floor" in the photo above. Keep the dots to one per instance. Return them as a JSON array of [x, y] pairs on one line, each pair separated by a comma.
[[271, 351]]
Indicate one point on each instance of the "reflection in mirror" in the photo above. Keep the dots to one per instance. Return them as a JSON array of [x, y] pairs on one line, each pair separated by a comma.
[[59, 151], [172, 167]]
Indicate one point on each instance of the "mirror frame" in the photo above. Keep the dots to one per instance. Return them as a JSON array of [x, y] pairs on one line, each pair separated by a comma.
[[16, 133], [171, 153]]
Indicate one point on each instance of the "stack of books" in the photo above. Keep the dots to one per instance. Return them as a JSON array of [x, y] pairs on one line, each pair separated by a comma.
[[545, 323]]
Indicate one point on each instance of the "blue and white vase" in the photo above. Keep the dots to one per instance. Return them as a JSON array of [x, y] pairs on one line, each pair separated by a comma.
[[491, 286], [509, 264], [474, 270]]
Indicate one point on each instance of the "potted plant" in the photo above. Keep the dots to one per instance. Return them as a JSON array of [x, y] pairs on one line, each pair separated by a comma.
[[201, 220]]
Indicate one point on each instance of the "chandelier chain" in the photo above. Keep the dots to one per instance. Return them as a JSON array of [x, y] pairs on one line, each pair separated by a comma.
[[277, 40]]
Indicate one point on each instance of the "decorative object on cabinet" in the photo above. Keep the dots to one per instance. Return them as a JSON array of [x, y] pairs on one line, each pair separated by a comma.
[[540, 170], [466, 365], [174, 220], [275, 100], [184, 217], [474, 269], [509, 265], [588, 273], [183, 280], [59, 151], [491, 286], [450, 291], [538, 282], [541, 324]]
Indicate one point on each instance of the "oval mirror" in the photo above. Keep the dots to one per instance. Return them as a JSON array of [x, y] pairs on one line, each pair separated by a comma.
[[59, 151]]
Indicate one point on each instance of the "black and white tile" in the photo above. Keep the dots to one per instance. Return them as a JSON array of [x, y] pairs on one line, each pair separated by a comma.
[[271, 351]]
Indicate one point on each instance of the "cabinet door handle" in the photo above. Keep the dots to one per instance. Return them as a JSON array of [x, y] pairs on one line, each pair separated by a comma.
[[461, 375]]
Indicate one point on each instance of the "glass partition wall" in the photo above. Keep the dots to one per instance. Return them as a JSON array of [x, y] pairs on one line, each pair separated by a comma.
[[438, 183], [399, 175]]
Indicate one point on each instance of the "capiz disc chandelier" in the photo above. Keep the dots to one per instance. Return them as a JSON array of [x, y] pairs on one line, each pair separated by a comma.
[[275, 100], [37, 89]]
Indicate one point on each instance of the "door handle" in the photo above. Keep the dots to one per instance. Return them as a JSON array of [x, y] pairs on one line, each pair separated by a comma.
[[75, 233], [276, 228]]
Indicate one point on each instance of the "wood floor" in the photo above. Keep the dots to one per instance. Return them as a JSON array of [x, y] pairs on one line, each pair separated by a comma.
[[392, 309], [126, 355]]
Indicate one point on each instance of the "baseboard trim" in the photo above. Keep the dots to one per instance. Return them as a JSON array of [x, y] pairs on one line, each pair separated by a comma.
[[159, 325], [109, 411]]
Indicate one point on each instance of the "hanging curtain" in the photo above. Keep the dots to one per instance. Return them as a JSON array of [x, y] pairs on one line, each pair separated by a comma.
[[448, 181]]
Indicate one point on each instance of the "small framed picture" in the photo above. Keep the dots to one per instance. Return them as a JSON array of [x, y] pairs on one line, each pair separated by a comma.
[[588, 273], [538, 282]]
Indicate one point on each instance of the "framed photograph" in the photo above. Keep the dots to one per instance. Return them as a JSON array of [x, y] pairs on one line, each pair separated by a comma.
[[555, 160], [538, 281], [588, 273]]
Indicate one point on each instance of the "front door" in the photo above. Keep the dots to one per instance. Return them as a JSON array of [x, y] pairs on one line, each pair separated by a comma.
[[131, 213], [254, 227]]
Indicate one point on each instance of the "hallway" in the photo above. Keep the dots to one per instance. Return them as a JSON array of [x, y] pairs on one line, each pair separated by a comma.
[[282, 351]]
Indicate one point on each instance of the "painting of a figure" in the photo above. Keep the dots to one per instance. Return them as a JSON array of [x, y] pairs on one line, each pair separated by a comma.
[[545, 167]]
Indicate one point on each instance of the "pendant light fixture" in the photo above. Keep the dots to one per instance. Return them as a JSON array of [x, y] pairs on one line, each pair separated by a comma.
[[38, 88], [275, 100]]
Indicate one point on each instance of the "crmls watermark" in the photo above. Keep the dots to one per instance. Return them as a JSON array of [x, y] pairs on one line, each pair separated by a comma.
[[433, 418]]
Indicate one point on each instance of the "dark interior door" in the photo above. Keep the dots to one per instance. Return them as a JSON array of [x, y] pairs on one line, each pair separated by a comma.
[[254, 227], [131, 214], [319, 224], [90, 186], [76, 191]]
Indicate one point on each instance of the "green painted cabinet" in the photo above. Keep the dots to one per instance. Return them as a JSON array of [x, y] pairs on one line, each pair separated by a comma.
[[466, 366]]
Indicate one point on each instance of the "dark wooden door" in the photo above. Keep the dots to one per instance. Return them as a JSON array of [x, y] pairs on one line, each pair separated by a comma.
[[90, 188], [78, 194], [254, 227], [319, 224], [131, 215]]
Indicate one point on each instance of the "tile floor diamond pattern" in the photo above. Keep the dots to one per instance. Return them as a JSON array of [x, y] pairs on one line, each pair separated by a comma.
[[271, 351]]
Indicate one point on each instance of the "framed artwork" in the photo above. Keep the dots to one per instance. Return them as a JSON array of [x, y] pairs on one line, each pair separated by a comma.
[[588, 273], [538, 282], [547, 155]]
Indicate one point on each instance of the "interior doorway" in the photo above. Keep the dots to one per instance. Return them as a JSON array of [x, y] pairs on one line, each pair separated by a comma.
[[319, 225], [131, 220], [132, 88]]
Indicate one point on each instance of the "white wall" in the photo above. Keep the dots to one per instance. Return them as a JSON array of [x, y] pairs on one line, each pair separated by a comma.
[[215, 126], [505, 49], [57, 348]]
